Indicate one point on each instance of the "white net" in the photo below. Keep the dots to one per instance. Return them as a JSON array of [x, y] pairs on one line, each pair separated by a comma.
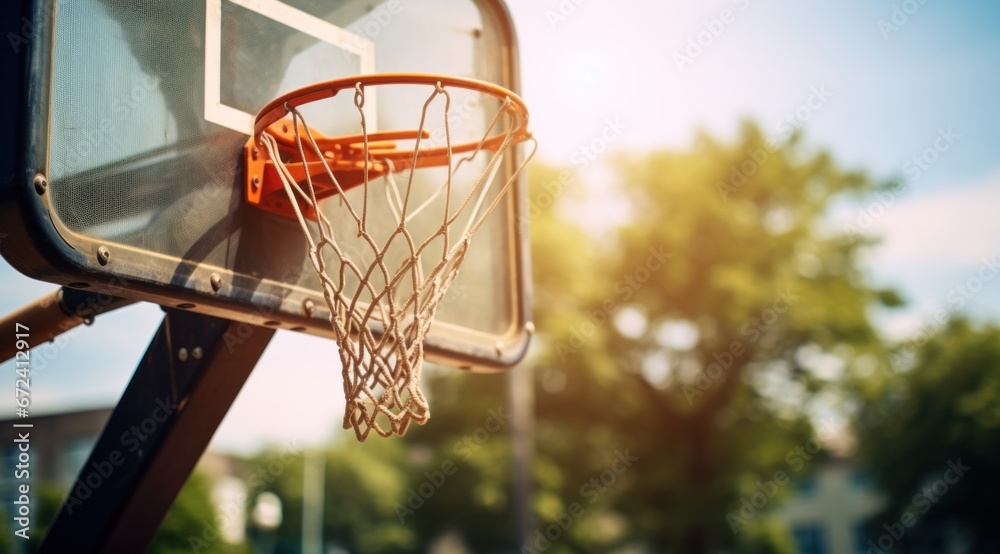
[[381, 312]]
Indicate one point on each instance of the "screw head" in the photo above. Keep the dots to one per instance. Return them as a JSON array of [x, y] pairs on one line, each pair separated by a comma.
[[41, 183], [216, 281], [197, 353], [309, 306], [182, 354], [256, 183], [103, 255]]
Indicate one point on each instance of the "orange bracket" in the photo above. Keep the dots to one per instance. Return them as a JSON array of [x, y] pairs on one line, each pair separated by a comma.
[[345, 156]]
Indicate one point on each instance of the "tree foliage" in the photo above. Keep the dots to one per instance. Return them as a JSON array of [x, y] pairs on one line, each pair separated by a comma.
[[362, 484], [688, 337], [191, 512], [704, 365], [922, 420]]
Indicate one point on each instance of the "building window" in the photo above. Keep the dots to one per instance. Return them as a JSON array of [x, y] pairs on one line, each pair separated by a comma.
[[74, 456], [809, 538], [806, 486], [861, 479], [860, 538]]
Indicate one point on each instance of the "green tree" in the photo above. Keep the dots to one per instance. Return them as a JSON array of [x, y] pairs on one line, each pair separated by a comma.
[[460, 464], [49, 500], [689, 338], [694, 335], [939, 407], [363, 484], [182, 530]]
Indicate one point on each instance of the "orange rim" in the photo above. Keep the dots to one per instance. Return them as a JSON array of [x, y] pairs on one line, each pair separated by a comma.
[[276, 109], [345, 154]]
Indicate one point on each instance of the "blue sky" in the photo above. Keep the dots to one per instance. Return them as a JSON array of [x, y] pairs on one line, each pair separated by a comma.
[[891, 94], [616, 61]]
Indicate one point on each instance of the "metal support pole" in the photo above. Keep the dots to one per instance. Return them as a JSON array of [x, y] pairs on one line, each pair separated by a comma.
[[184, 385], [57, 312], [313, 499], [521, 387]]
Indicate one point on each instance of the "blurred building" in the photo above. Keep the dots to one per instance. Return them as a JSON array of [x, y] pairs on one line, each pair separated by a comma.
[[60, 445], [828, 510]]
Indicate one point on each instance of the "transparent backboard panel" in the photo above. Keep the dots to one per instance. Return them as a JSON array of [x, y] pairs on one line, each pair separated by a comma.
[[152, 102]]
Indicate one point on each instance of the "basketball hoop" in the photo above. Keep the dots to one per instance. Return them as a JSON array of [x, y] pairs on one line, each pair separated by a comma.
[[380, 326]]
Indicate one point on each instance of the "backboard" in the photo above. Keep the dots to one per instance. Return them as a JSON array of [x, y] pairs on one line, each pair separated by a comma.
[[125, 173]]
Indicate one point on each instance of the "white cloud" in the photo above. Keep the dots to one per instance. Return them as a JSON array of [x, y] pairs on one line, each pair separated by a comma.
[[955, 227]]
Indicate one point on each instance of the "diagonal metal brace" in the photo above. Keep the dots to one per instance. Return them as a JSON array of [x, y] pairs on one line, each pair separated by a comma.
[[183, 387]]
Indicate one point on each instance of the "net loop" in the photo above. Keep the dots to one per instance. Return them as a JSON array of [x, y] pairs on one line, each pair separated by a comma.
[[359, 95]]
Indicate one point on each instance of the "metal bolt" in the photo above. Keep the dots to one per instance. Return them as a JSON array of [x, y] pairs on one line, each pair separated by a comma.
[[197, 353], [530, 327], [216, 281], [256, 183], [255, 154], [103, 255], [41, 183], [309, 306], [182, 354]]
